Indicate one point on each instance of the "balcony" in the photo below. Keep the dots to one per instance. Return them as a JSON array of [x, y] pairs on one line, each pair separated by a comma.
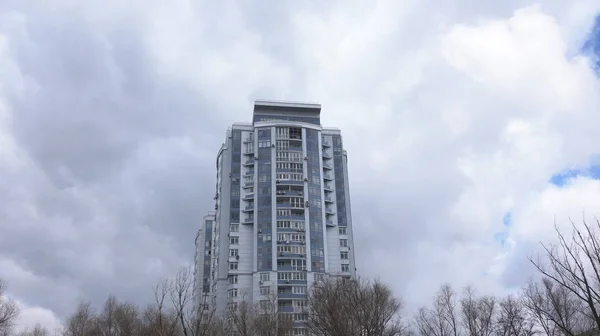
[[289, 191], [325, 144], [291, 217], [248, 220], [249, 151], [248, 208], [249, 162], [329, 222], [248, 197], [329, 211], [326, 155], [288, 294], [329, 199], [291, 268], [285, 308], [327, 166], [288, 255], [248, 184], [327, 177], [327, 187], [289, 182], [290, 205]]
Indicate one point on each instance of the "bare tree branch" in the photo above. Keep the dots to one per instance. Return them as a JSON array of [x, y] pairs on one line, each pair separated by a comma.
[[8, 310], [339, 307], [574, 265]]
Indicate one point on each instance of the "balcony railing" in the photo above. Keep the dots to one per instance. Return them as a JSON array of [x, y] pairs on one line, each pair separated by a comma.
[[290, 205]]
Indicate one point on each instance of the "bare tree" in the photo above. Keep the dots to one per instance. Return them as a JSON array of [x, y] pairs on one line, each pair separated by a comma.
[[8, 310], [261, 318], [513, 319], [477, 314], [157, 319], [194, 319], [574, 264], [118, 318], [443, 318], [241, 317], [269, 321], [82, 322], [338, 306], [555, 309], [37, 330]]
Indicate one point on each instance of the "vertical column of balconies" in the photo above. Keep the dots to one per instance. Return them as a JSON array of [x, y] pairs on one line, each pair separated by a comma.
[[263, 199], [317, 234], [341, 214], [238, 182], [291, 206]]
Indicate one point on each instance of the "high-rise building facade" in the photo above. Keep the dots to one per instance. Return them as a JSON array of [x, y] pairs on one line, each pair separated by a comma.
[[282, 216]]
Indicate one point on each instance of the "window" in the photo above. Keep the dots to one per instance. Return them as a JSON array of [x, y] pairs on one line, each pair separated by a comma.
[[344, 255], [342, 230], [299, 264], [233, 252], [291, 249], [233, 279], [265, 277], [283, 144], [264, 143], [234, 227], [295, 237], [232, 292], [265, 290], [291, 276], [290, 224], [264, 305], [289, 176], [299, 289], [299, 332], [234, 240], [289, 156], [343, 242], [318, 252], [319, 276], [345, 268], [295, 133], [299, 304], [232, 306], [233, 266], [283, 132]]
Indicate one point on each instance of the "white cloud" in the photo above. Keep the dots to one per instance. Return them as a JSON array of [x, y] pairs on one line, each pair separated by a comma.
[[29, 316]]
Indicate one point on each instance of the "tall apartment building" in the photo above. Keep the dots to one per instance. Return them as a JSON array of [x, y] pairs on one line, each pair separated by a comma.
[[282, 211]]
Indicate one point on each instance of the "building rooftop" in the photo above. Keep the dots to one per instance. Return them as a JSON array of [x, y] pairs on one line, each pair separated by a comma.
[[261, 106], [287, 104]]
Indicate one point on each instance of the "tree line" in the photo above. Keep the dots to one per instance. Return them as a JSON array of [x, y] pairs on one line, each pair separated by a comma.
[[563, 301]]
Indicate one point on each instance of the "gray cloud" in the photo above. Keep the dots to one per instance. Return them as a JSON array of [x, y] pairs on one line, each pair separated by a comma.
[[116, 112]]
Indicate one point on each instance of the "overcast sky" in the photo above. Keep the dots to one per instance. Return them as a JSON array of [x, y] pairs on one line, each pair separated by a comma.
[[456, 116]]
